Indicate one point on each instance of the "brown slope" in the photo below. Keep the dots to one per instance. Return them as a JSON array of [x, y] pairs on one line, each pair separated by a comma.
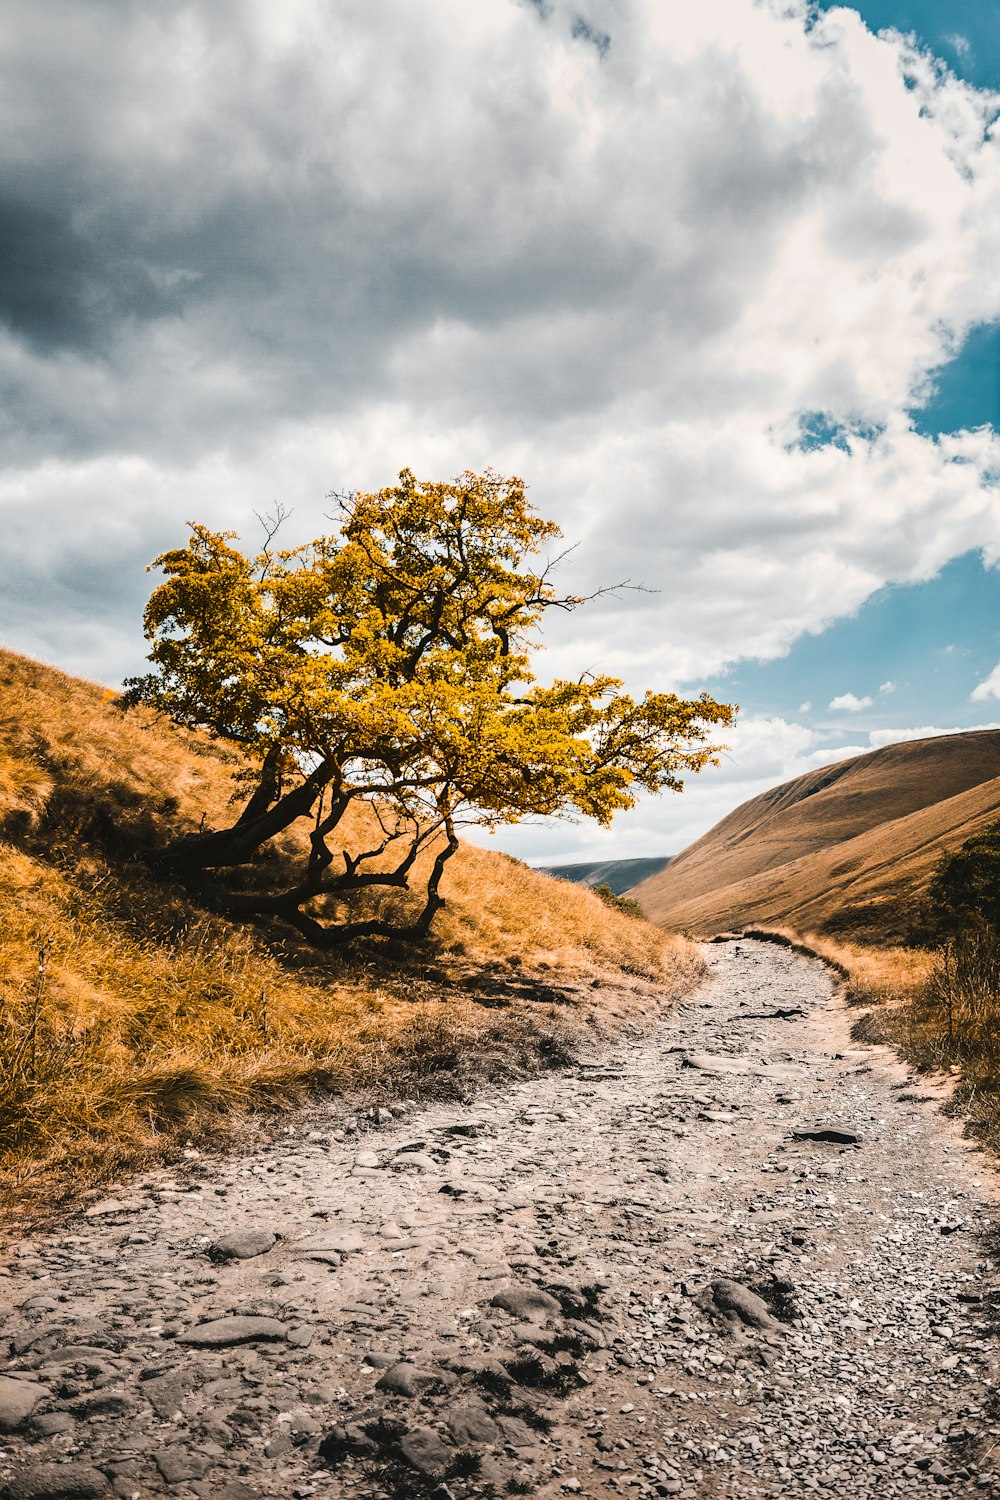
[[848, 848]]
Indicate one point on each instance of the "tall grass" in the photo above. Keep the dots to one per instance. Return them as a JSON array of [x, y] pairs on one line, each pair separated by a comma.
[[964, 989]]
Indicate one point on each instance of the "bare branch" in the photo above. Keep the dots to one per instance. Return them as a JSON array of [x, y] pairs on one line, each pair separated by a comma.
[[271, 521]]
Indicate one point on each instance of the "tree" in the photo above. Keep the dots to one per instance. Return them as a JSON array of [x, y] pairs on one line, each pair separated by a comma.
[[964, 894], [389, 662]]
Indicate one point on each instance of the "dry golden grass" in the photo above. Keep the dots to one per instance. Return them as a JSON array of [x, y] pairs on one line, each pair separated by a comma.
[[848, 850], [875, 976], [149, 1022]]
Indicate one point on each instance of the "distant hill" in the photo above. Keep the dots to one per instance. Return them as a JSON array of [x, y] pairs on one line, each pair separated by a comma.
[[619, 874], [846, 849]]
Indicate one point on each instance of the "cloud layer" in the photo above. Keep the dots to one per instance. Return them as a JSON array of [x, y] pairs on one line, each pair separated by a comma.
[[688, 269]]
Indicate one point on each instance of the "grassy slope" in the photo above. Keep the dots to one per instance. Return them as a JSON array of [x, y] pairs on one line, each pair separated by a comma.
[[849, 848], [155, 1020]]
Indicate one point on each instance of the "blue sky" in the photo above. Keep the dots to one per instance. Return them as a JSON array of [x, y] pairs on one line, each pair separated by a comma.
[[918, 650], [963, 33]]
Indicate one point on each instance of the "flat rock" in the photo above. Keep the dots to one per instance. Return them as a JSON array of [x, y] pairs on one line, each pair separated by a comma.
[[18, 1399], [48, 1423], [331, 1242], [723, 1064], [417, 1161], [165, 1393], [221, 1333], [348, 1439], [713, 1062], [243, 1244], [730, 1297], [179, 1464], [72, 1354], [835, 1134], [376, 1359], [405, 1379], [472, 1423], [103, 1403], [485, 1369], [424, 1451], [109, 1206], [56, 1482], [527, 1302], [517, 1434]]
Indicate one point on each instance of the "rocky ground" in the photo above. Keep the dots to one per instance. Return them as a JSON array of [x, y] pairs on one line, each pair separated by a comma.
[[737, 1256]]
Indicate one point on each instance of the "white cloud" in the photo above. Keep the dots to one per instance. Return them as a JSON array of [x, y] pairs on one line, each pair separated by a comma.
[[806, 707], [311, 244], [989, 687], [880, 737], [850, 703], [887, 687]]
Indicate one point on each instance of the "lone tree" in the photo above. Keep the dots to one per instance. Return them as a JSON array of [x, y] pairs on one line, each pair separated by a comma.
[[388, 662]]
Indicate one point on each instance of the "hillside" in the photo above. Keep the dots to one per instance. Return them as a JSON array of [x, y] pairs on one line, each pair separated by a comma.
[[618, 874], [131, 1017], [848, 849]]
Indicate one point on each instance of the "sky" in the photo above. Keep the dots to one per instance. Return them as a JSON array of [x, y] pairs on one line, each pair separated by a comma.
[[722, 282]]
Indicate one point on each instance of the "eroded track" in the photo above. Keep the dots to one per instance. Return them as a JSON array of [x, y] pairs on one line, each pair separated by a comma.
[[600, 1205]]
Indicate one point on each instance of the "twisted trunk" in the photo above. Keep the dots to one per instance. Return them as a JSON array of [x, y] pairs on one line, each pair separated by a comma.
[[261, 819], [267, 813]]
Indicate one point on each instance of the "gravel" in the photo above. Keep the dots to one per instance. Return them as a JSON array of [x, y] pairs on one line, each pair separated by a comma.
[[728, 1258]]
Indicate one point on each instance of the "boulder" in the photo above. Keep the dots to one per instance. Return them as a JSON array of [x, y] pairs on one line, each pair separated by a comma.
[[18, 1399], [242, 1244], [527, 1302]]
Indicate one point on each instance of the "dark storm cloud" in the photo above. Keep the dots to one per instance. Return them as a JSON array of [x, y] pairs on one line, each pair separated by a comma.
[[61, 289]]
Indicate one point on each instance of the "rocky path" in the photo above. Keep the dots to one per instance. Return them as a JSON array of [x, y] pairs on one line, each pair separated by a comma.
[[650, 1275]]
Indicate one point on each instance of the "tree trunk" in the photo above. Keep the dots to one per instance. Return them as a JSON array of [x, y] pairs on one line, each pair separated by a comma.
[[256, 824]]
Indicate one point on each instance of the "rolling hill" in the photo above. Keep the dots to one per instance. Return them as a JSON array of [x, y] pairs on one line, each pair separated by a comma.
[[846, 850], [618, 874]]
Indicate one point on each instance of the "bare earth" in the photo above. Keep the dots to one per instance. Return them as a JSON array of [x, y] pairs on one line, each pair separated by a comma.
[[697, 1303]]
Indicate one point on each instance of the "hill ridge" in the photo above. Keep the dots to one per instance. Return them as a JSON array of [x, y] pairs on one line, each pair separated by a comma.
[[848, 847]]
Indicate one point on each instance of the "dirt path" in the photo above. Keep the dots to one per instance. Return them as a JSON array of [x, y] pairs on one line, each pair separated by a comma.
[[516, 1296]]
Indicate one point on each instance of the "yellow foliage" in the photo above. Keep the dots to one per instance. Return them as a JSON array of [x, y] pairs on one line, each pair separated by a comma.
[[391, 663]]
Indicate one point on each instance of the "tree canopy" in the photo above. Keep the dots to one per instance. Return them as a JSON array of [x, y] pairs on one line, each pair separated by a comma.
[[965, 891], [390, 661]]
